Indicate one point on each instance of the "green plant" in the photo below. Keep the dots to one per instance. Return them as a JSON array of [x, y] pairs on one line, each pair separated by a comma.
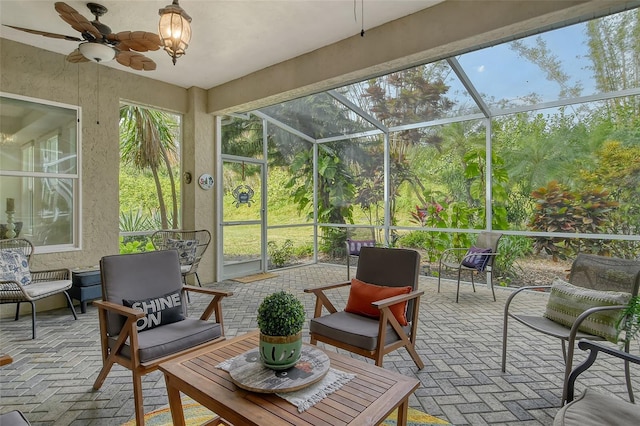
[[560, 210], [281, 314], [629, 322], [280, 255], [512, 248], [135, 246]]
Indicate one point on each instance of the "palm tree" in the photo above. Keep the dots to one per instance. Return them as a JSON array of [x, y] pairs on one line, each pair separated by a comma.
[[148, 138]]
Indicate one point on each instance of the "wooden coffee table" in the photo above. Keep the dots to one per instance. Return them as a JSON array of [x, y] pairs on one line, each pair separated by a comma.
[[368, 399]]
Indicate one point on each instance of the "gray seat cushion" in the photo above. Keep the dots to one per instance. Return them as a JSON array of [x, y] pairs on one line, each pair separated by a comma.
[[172, 338], [353, 329], [594, 408], [13, 418]]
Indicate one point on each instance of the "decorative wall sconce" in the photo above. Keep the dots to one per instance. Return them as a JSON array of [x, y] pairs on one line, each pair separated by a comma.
[[174, 30]]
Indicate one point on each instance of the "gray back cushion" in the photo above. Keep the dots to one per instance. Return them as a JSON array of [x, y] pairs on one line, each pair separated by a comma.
[[137, 277], [391, 267]]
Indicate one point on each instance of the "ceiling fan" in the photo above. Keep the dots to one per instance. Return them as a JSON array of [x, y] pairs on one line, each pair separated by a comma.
[[99, 44]]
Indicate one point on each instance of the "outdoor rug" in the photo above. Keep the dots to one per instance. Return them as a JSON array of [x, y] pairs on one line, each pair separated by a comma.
[[196, 414], [256, 277]]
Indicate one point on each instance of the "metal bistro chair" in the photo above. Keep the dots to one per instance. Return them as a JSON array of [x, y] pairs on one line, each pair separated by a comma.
[[586, 307], [353, 251], [19, 284], [190, 245], [476, 259], [593, 408]]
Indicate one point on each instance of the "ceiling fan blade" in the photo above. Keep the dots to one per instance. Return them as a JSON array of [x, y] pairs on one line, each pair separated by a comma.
[[76, 57], [140, 41], [136, 61], [45, 34], [76, 20]]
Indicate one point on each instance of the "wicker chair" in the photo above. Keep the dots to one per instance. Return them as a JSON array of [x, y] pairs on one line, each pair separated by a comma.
[[19, 284], [588, 272], [190, 245]]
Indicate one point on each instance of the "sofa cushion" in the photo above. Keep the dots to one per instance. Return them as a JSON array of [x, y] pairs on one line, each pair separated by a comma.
[[14, 266], [476, 259], [362, 294], [186, 250], [161, 310], [567, 302]]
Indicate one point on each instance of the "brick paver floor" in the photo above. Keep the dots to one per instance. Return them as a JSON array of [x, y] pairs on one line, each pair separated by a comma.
[[51, 377]]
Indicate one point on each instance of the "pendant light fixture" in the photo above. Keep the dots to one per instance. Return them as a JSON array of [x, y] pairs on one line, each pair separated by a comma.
[[174, 30]]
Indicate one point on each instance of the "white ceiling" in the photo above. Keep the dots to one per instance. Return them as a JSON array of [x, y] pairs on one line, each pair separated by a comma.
[[230, 38]]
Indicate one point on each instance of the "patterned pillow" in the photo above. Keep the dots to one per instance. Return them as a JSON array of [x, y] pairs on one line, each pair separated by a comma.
[[567, 302], [160, 310], [14, 266], [474, 258], [186, 250]]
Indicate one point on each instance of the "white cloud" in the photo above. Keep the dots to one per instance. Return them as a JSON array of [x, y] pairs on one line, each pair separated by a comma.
[[480, 68]]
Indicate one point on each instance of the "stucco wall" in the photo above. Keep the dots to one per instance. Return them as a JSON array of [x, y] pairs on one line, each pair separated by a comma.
[[37, 73]]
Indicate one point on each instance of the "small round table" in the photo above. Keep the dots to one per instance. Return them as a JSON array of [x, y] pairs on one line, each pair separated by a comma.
[[247, 372]]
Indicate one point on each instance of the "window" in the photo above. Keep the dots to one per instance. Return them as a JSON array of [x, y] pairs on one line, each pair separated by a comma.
[[39, 171]]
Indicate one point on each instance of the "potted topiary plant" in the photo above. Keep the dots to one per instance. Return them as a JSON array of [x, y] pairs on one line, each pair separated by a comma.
[[280, 319]]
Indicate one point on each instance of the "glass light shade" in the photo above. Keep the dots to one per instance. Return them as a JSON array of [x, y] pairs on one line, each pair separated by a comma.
[[97, 52], [174, 30]]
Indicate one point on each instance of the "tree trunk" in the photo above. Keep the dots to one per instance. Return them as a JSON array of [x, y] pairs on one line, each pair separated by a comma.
[[162, 207]]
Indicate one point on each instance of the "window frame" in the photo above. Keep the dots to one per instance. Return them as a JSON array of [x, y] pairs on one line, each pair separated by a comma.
[[76, 177]]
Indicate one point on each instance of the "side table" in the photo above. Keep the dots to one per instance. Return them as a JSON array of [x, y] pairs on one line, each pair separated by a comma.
[[86, 285]]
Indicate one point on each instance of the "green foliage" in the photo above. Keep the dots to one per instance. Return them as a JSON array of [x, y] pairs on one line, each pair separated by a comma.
[[280, 255], [304, 250], [628, 325], [135, 246], [281, 314], [131, 221], [512, 248], [335, 190], [332, 242], [561, 210], [433, 243], [149, 142]]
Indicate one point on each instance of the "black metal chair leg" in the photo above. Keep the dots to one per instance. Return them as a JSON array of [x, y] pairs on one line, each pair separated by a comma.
[[33, 319], [17, 311], [198, 278], [70, 303]]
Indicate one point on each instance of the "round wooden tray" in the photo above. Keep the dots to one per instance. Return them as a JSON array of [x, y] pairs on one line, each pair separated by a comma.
[[247, 372]]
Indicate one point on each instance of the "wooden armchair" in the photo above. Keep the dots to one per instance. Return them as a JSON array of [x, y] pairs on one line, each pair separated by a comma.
[[19, 284], [190, 246], [143, 320], [383, 294]]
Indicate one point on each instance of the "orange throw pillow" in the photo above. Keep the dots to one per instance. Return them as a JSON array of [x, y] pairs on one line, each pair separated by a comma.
[[362, 294]]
